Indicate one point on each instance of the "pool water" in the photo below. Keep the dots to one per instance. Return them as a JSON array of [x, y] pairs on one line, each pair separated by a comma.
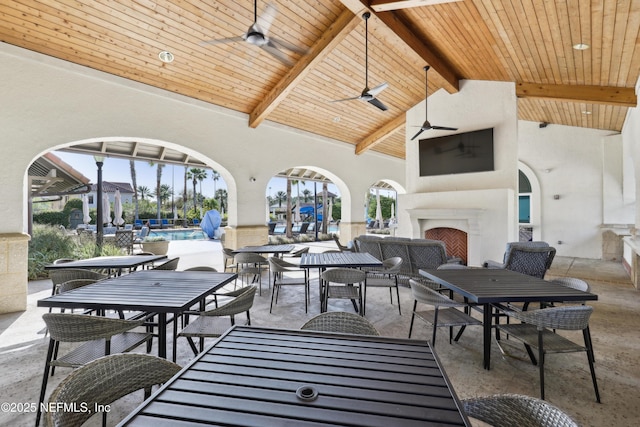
[[189, 234]]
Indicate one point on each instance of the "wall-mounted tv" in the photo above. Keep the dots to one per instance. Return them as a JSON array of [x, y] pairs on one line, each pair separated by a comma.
[[460, 153]]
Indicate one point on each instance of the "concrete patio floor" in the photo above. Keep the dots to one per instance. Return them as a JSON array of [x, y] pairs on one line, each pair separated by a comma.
[[614, 327]]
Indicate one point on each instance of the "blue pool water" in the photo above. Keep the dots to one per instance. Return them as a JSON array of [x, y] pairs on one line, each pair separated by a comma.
[[187, 234]]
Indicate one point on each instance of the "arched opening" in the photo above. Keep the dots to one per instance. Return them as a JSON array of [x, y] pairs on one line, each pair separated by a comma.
[[304, 203], [157, 181], [529, 208]]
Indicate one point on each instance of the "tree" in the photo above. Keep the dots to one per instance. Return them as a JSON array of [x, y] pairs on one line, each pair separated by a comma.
[[288, 228], [159, 167], [196, 174], [132, 168], [144, 192], [165, 193], [280, 197], [306, 195], [325, 199], [221, 196]]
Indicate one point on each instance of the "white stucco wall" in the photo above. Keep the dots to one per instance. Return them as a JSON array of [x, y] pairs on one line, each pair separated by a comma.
[[570, 162], [478, 105], [48, 103]]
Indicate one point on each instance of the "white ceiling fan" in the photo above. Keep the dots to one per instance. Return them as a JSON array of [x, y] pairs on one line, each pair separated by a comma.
[[257, 35]]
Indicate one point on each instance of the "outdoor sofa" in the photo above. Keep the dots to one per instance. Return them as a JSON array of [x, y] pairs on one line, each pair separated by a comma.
[[416, 254]]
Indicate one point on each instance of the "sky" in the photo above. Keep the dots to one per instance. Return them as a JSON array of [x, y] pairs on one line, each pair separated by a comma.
[[117, 170]]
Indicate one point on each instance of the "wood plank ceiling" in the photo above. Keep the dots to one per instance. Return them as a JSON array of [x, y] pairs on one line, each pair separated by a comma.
[[528, 42]]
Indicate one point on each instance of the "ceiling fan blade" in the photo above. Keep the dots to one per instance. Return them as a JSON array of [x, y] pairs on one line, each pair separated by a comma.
[[416, 135], [442, 128], [222, 41], [289, 46], [280, 56], [376, 90], [378, 103], [346, 99], [266, 18]]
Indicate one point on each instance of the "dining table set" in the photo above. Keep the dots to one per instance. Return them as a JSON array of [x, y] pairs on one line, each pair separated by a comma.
[[271, 377]]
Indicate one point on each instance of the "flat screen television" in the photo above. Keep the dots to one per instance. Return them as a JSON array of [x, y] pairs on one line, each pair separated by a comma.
[[460, 153]]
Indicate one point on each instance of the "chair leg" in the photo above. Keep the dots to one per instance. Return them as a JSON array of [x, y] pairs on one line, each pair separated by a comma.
[[45, 379], [435, 328], [541, 363], [587, 342], [398, 297], [413, 316]]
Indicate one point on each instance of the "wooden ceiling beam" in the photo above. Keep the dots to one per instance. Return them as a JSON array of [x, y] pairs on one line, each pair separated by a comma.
[[607, 95], [386, 5], [439, 64], [335, 34], [381, 134]]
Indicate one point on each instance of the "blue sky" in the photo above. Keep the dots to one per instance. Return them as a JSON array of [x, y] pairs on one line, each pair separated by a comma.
[[117, 170]]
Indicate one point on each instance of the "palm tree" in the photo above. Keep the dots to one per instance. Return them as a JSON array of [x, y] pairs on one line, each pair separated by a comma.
[[297, 184], [132, 168], [289, 222], [215, 176], [165, 193], [306, 195], [280, 197], [325, 191], [184, 195], [196, 174], [159, 167], [221, 195], [144, 192]]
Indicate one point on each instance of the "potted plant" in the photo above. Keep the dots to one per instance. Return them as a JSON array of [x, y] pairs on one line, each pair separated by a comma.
[[155, 244]]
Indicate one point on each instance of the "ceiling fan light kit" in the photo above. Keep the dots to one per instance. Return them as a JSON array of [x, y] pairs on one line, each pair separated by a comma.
[[368, 95], [426, 125]]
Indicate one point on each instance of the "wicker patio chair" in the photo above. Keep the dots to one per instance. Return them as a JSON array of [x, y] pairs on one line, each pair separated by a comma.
[[201, 268], [446, 312], [535, 332], [62, 275], [211, 323], [251, 266], [298, 253], [385, 278], [531, 258], [105, 380], [512, 410], [342, 322], [100, 336], [172, 264], [229, 260], [342, 247], [286, 274], [349, 283], [124, 239]]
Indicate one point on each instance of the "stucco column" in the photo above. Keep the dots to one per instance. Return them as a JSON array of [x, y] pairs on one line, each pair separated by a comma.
[[14, 253]]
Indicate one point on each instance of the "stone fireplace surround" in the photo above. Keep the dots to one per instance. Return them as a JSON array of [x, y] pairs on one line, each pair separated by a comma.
[[487, 216]]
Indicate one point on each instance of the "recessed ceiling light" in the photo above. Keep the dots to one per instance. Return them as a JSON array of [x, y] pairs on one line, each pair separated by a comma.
[[165, 56], [336, 119], [586, 112], [581, 46]]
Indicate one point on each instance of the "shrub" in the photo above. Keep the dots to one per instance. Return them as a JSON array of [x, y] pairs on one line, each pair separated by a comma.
[[49, 243]]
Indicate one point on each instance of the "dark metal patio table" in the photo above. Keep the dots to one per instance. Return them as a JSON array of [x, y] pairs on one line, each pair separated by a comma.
[[153, 291], [109, 262], [487, 286], [267, 377], [324, 260], [266, 249]]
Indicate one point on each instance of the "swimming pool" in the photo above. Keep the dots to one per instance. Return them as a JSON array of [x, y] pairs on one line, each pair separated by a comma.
[[184, 234]]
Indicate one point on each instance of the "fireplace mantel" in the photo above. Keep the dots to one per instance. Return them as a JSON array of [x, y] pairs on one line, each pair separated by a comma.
[[471, 216]]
